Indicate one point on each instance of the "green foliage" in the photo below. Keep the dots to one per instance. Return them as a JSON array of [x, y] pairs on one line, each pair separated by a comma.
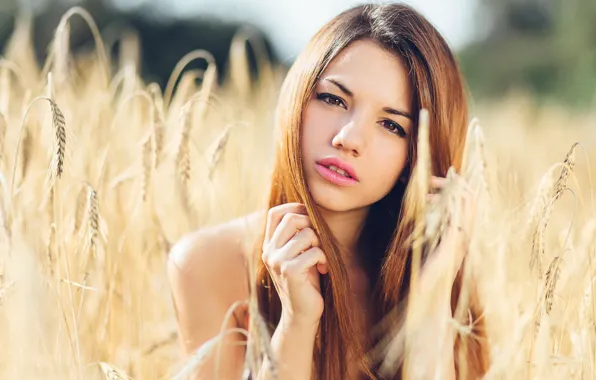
[[545, 47]]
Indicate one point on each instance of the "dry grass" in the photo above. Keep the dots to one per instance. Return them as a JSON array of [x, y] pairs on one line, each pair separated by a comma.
[[82, 257]]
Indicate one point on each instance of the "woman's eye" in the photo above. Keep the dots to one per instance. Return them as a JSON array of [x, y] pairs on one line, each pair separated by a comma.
[[393, 127], [331, 99]]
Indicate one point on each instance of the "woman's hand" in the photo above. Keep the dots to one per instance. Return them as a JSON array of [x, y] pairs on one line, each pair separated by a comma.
[[294, 261]]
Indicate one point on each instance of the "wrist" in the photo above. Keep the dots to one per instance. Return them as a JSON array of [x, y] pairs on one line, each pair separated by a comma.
[[293, 323]]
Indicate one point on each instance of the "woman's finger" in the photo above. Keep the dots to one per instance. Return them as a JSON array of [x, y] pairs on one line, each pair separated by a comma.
[[438, 182], [276, 214], [302, 241], [303, 262], [289, 226], [295, 247]]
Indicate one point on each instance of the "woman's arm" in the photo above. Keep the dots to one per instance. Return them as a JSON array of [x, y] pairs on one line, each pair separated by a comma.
[[207, 275], [293, 346]]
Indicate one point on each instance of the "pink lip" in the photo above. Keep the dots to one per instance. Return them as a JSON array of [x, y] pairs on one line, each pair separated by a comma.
[[336, 178], [340, 164]]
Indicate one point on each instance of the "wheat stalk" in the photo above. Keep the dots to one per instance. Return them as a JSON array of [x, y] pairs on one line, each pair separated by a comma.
[[201, 353], [210, 76], [61, 43]]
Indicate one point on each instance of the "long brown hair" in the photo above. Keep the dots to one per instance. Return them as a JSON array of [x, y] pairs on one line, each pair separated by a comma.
[[438, 87]]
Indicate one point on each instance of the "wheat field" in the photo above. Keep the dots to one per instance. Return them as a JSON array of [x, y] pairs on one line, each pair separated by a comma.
[[101, 173]]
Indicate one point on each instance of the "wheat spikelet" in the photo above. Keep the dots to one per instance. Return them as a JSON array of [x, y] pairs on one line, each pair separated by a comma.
[[240, 68], [4, 216], [219, 147], [61, 46], [158, 137], [550, 283], [26, 152], [50, 203], [183, 155], [93, 215], [148, 165], [60, 129], [4, 289], [49, 248], [113, 373], [568, 165], [4, 89], [61, 53], [538, 248], [586, 314], [480, 149], [538, 244], [542, 196], [80, 208], [3, 127]]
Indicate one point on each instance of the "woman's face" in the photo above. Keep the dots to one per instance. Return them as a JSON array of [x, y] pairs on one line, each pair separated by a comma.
[[359, 118]]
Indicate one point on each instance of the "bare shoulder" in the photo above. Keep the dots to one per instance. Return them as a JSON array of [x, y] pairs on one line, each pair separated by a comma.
[[218, 252], [207, 271], [208, 275]]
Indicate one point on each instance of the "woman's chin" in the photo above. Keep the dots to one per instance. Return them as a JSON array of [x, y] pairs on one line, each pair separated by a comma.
[[333, 202]]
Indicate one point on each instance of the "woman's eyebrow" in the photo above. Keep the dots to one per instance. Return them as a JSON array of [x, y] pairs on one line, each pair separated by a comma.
[[393, 111], [343, 88], [388, 110]]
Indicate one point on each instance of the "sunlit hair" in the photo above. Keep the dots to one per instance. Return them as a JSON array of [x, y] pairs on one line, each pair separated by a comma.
[[438, 87]]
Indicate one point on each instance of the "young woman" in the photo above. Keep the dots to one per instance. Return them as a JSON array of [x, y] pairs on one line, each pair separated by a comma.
[[332, 253]]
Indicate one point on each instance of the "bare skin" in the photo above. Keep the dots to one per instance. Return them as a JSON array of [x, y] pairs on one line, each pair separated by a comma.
[[201, 267], [207, 272]]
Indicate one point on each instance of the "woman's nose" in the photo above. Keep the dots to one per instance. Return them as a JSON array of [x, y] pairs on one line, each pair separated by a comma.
[[350, 138]]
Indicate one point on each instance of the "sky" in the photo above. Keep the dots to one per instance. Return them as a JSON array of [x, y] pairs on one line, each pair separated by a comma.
[[291, 23]]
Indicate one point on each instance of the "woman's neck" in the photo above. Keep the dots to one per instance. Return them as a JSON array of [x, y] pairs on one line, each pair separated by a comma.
[[346, 227]]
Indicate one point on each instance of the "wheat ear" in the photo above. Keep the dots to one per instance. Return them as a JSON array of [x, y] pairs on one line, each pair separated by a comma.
[[113, 373], [59, 124], [550, 283]]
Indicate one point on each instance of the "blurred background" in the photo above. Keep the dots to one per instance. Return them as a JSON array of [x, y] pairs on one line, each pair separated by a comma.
[[148, 159], [542, 47]]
